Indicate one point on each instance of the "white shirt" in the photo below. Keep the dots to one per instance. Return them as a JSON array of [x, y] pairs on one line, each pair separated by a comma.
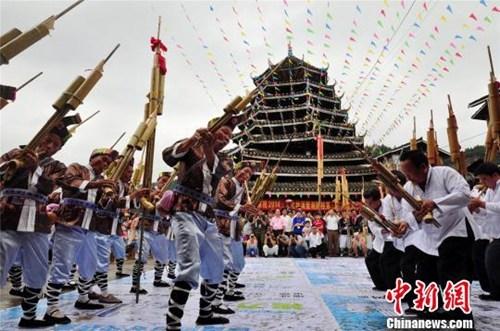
[[28, 213], [332, 222], [476, 221], [288, 223], [491, 214], [392, 210], [315, 239], [376, 230], [450, 192], [247, 229]]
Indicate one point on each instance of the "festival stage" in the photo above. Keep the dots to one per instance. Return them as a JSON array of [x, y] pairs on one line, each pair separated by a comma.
[[282, 294]]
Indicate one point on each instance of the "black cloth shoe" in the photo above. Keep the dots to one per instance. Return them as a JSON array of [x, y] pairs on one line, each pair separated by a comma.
[[239, 293], [134, 289], [239, 285], [94, 296], [222, 309], [34, 323], [233, 297], [488, 297], [121, 275], [17, 293], [160, 283], [211, 320], [57, 320], [88, 305]]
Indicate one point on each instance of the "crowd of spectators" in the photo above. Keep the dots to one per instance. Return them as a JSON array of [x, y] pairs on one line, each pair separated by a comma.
[[295, 233]]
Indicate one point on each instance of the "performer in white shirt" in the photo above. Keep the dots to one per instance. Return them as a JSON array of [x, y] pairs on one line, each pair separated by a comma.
[[444, 193], [487, 210], [372, 260], [316, 243], [332, 227], [392, 253], [481, 239]]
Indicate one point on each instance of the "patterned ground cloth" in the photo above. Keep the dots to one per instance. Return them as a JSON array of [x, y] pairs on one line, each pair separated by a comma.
[[282, 294]]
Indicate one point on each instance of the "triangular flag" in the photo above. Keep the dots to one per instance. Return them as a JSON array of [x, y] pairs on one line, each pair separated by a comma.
[[483, 2], [496, 9], [443, 18], [448, 8], [473, 16]]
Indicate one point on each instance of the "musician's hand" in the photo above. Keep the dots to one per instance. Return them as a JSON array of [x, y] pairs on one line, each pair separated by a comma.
[[134, 223], [29, 159], [475, 204], [428, 206], [55, 197], [419, 214], [200, 134], [100, 183], [142, 192], [251, 209], [401, 228]]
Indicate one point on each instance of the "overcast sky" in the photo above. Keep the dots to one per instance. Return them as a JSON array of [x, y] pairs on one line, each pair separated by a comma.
[[223, 45]]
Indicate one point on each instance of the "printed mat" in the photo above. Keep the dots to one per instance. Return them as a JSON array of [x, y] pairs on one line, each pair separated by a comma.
[[281, 294]]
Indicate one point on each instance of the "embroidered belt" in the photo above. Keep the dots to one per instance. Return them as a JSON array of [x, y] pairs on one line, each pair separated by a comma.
[[88, 205], [225, 214], [193, 194], [79, 203], [152, 218], [106, 213], [23, 194]]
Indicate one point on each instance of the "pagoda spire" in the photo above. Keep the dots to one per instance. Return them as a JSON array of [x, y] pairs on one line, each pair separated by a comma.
[[290, 51]]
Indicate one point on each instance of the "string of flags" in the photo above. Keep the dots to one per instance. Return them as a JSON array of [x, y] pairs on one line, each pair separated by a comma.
[[348, 57], [377, 41], [450, 55], [442, 66], [412, 68], [377, 91], [244, 39], [327, 43], [309, 29], [263, 28], [225, 38], [189, 63], [373, 74], [288, 24], [209, 54]]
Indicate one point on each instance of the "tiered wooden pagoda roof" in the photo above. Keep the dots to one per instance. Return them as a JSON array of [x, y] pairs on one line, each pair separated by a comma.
[[292, 105]]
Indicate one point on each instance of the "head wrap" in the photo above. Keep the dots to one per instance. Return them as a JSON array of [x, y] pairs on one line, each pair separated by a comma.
[[104, 151]]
